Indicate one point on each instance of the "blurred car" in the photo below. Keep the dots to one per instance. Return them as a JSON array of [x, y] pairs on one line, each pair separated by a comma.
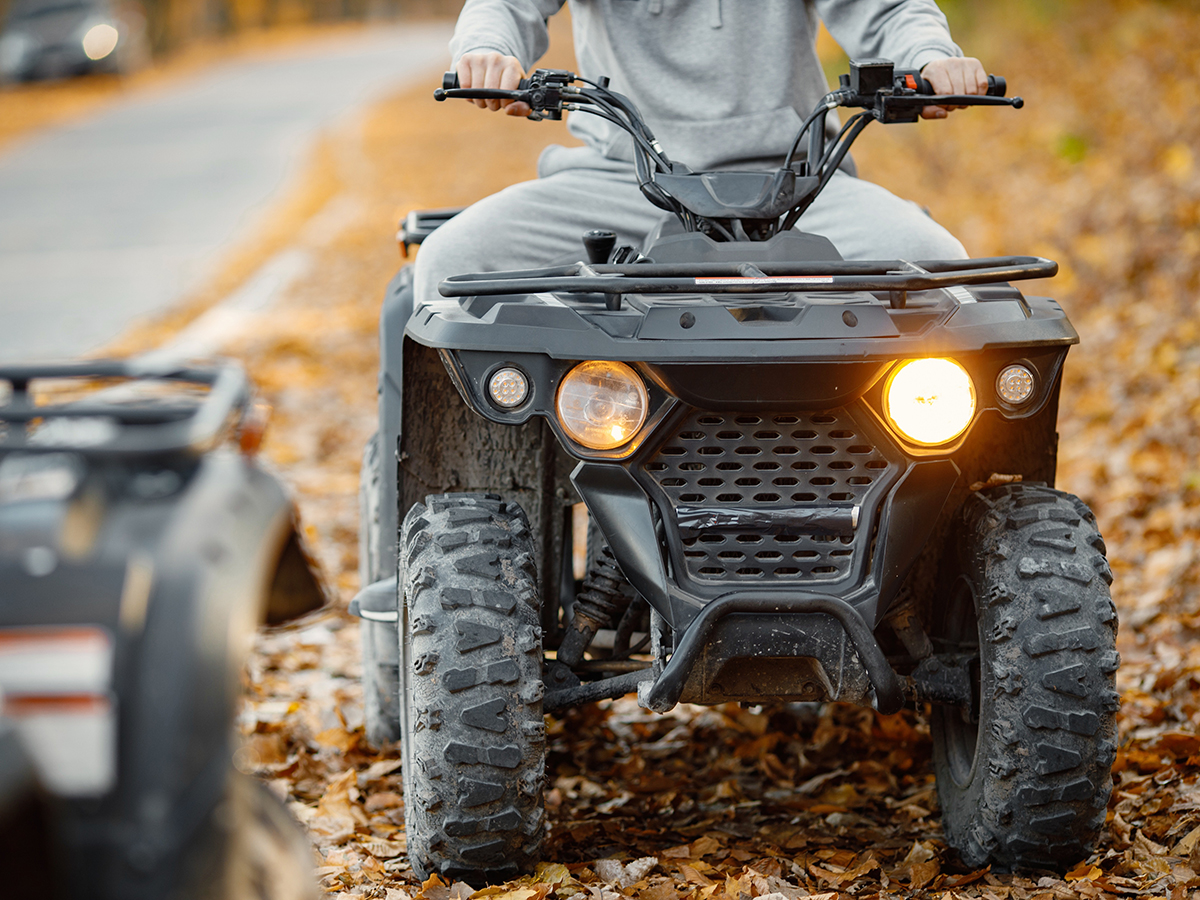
[[140, 543], [60, 38]]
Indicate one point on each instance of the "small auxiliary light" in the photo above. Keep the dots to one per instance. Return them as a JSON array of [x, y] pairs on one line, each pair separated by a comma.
[[1015, 384], [508, 387]]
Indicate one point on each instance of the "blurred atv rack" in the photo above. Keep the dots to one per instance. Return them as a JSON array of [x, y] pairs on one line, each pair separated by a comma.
[[141, 542], [120, 423]]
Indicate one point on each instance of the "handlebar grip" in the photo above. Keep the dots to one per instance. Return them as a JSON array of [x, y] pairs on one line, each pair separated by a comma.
[[450, 82], [911, 79]]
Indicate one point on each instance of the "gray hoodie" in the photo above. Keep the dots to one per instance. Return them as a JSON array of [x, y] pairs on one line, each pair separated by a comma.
[[720, 83]]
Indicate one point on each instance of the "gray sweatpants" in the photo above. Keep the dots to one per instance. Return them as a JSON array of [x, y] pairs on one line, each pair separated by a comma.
[[577, 190]]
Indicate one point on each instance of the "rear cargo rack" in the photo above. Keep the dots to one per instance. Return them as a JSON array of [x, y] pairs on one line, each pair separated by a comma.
[[894, 275], [108, 423], [420, 223]]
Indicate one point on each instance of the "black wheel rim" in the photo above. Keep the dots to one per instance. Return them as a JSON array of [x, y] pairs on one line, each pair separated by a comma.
[[960, 730]]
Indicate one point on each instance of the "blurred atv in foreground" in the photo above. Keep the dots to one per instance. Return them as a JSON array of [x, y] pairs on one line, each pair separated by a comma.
[[808, 479], [139, 548]]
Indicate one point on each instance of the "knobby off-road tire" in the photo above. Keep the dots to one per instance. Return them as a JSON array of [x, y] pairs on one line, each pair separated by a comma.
[[471, 671], [1029, 785], [380, 641]]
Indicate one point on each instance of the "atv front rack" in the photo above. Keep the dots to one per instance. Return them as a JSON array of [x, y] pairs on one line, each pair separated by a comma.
[[105, 423], [894, 275]]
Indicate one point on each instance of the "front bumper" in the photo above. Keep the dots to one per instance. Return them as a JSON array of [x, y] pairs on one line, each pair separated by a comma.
[[814, 520]]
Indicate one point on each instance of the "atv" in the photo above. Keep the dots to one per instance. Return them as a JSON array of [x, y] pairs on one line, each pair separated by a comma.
[[805, 478], [140, 544]]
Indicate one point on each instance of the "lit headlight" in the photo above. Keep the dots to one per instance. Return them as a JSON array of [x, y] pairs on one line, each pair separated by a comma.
[[930, 401], [601, 405], [100, 40]]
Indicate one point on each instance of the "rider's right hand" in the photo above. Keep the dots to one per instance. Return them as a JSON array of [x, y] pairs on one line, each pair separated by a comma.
[[490, 69]]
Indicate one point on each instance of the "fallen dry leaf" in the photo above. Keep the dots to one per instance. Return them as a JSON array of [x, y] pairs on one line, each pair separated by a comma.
[[1099, 171]]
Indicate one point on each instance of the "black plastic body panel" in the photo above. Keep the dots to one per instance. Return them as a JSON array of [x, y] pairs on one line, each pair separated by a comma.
[[432, 440]]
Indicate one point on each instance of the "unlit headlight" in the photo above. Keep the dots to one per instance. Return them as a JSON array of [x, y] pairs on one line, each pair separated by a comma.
[[929, 401], [602, 404]]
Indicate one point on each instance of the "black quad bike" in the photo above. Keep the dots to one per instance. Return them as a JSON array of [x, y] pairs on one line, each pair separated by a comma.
[[140, 544], [808, 479]]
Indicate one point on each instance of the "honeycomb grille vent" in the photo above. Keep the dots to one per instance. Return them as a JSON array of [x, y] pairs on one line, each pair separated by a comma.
[[770, 461]]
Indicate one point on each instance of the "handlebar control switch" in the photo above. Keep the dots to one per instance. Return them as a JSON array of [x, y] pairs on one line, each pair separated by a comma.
[[544, 88], [867, 76]]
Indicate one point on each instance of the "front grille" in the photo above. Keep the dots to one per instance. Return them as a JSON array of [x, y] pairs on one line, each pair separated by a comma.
[[772, 461]]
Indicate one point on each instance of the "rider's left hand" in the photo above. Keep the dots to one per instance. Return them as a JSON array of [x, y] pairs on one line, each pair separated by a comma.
[[953, 75]]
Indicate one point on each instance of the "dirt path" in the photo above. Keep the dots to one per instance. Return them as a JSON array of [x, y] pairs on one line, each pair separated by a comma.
[[123, 212], [731, 802]]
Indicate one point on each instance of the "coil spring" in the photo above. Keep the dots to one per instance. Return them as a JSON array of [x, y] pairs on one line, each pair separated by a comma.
[[605, 593]]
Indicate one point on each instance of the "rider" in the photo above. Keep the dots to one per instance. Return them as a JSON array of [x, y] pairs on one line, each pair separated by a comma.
[[721, 85]]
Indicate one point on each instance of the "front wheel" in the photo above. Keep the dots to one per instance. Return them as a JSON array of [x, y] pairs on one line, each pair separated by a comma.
[[1026, 783], [471, 689]]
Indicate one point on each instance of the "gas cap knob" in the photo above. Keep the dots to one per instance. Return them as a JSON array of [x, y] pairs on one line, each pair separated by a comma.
[[599, 245]]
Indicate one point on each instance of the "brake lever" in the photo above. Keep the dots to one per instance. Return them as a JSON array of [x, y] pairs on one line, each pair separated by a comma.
[[480, 94], [542, 91], [918, 100]]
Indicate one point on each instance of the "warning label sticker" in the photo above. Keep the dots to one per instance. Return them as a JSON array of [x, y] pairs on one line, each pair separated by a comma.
[[768, 279]]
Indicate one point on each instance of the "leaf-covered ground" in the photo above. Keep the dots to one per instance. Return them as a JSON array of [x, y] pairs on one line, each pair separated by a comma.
[[1099, 171]]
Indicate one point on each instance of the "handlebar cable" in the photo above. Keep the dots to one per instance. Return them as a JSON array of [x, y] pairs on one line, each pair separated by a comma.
[[626, 106], [604, 111], [839, 150], [820, 167], [827, 103], [647, 156], [644, 157], [632, 121]]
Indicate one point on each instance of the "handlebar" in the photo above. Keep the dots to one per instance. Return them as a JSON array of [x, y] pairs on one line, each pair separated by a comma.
[[875, 86], [906, 82]]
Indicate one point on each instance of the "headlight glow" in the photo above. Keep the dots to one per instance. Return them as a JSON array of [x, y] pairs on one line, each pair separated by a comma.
[[100, 40], [930, 401], [602, 404]]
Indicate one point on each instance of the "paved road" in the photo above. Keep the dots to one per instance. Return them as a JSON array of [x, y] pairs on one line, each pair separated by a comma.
[[126, 212]]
